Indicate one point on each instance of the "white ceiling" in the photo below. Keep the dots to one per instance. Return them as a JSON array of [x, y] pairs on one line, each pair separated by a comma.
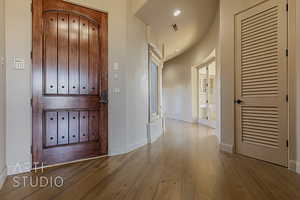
[[194, 22]]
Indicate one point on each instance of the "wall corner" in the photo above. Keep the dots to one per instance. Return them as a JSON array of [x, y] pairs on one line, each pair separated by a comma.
[[228, 148], [294, 166], [3, 175]]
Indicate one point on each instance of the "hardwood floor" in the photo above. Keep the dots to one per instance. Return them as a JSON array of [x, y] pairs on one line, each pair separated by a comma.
[[185, 164]]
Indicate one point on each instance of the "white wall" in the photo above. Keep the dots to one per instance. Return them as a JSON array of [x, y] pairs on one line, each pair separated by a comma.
[[137, 81], [136, 5], [177, 76], [127, 46], [18, 91], [2, 95], [153, 40]]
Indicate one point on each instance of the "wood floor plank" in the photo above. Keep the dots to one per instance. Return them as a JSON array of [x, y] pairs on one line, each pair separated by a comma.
[[25, 190], [145, 187], [69, 180], [184, 164], [82, 188]]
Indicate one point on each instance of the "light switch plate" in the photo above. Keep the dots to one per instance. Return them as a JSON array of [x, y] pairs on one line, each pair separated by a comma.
[[2, 61], [117, 90], [19, 63], [116, 66]]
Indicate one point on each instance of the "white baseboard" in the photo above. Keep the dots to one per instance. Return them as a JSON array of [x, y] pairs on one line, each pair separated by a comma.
[[208, 123], [294, 166], [3, 175], [182, 120], [116, 153], [130, 148], [155, 138], [19, 168], [154, 130], [138, 145], [226, 148]]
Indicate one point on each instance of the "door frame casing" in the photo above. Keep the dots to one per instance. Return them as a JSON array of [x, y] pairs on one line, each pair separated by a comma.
[[209, 123], [37, 78], [291, 82]]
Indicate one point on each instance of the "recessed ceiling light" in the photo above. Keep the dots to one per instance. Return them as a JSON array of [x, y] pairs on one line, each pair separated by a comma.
[[177, 50], [177, 12]]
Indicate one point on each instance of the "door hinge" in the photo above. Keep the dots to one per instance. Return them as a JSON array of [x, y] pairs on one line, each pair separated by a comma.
[[31, 56], [31, 7], [287, 98], [31, 102], [287, 7], [287, 143], [287, 52]]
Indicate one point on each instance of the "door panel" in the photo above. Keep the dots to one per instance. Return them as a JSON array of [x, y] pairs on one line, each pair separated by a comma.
[[63, 53], [63, 128], [93, 125], [50, 51], [93, 59], [261, 82], [73, 54], [84, 136], [51, 129], [84, 55], [74, 127], [69, 118]]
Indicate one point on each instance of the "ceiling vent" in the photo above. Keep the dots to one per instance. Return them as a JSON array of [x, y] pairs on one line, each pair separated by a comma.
[[175, 27]]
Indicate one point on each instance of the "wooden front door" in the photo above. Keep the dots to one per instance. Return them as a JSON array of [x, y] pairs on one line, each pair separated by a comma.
[[261, 82], [69, 82]]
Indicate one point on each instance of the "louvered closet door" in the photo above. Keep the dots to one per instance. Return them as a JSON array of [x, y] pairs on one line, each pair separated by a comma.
[[261, 82]]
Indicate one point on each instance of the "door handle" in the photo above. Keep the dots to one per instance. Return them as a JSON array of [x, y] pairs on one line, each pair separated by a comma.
[[104, 97], [238, 101], [103, 101]]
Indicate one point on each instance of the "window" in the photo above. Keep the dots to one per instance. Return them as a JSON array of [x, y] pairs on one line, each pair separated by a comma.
[[153, 88], [154, 80]]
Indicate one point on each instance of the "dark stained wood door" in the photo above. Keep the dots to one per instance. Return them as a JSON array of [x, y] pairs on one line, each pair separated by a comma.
[[69, 82]]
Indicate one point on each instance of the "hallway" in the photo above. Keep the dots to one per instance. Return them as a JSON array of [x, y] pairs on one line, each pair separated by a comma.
[[184, 164]]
